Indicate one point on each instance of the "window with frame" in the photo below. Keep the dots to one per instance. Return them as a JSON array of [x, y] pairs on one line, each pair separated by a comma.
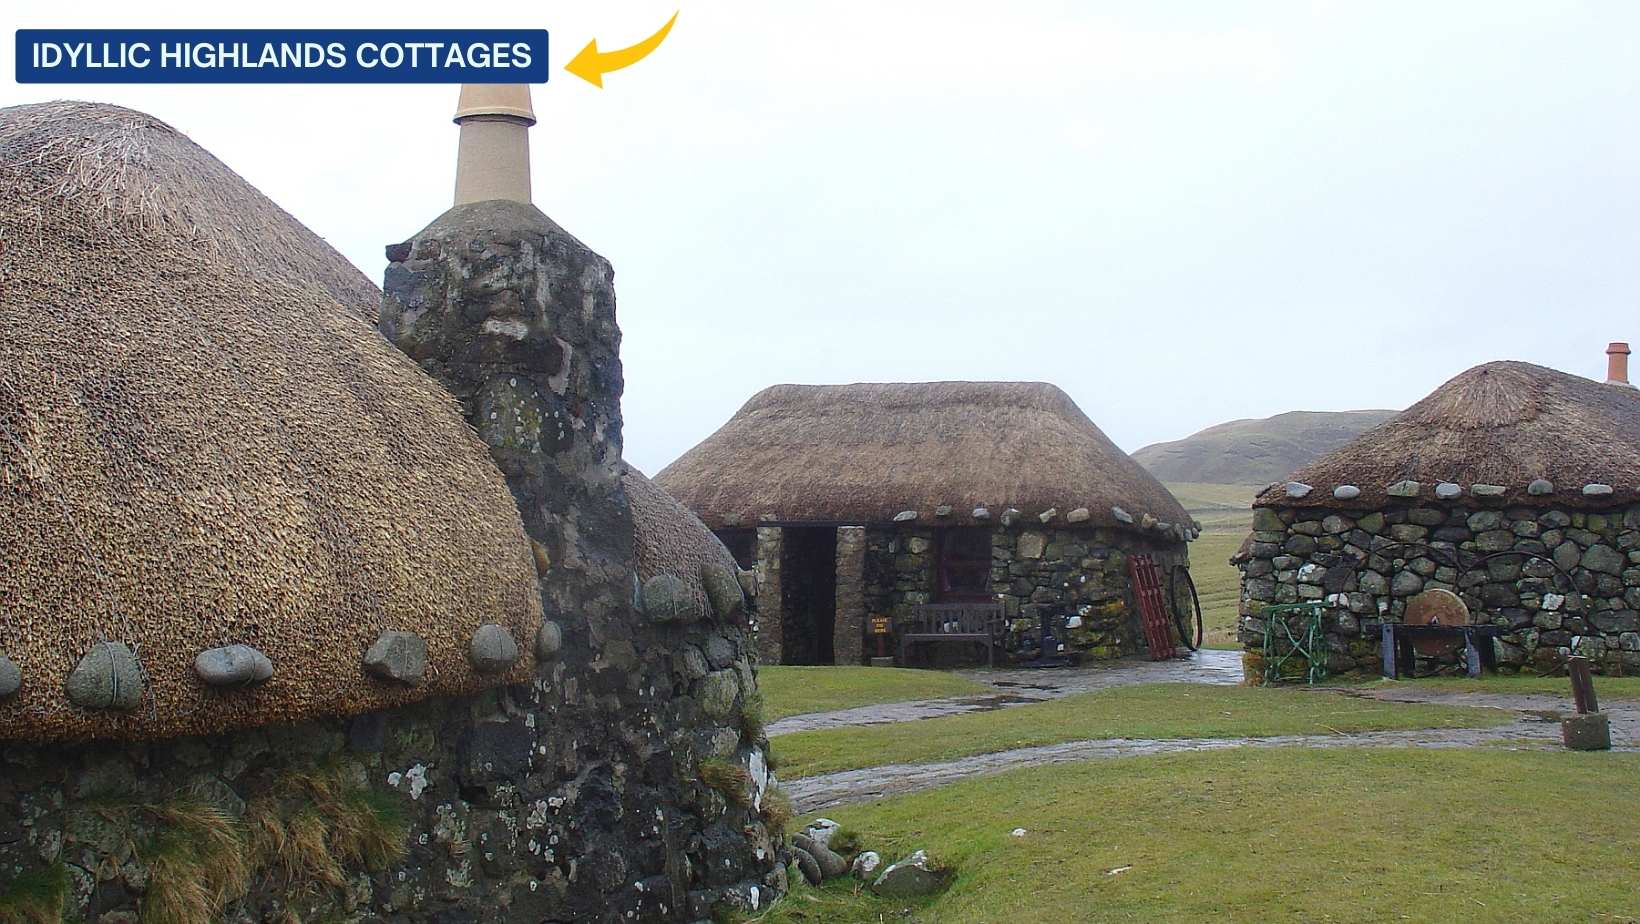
[[964, 564]]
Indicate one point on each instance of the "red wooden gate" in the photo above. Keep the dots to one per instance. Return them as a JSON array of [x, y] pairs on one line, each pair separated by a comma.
[[1147, 589]]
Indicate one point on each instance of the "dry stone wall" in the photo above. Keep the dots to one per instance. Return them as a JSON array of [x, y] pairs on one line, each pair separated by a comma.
[[1563, 582], [1077, 576]]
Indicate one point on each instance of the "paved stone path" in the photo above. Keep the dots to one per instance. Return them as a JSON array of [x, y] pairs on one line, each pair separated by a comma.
[[1536, 726], [1018, 686]]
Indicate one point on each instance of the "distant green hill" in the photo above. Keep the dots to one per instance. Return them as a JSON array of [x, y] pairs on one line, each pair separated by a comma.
[[1256, 452]]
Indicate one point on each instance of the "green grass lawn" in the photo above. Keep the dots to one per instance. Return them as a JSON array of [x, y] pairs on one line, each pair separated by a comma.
[[1267, 836], [1604, 687], [1218, 507], [1218, 584], [1158, 710], [796, 690]]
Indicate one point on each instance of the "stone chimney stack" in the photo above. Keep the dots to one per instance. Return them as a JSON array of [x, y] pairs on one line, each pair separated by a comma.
[[1617, 363], [493, 161]]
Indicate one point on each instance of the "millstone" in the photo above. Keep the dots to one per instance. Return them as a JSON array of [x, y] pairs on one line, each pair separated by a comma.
[[492, 650], [108, 677], [723, 589], [232, 666], [1436, 606], [11, 677], [666, 598], [400, 656], [548, 640]]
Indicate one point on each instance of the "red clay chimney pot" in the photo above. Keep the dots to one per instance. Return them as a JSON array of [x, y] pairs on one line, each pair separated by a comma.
[[1617, 363]]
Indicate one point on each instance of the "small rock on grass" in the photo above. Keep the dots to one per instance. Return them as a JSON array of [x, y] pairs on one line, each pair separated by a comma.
[[808, 866], [915, 875], [831, 865], [867, 864]]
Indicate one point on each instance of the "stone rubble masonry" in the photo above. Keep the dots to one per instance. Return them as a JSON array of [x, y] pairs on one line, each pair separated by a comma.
[[771, 634], [574, 797], [1068, 571], [849, 638], [1571, 584]]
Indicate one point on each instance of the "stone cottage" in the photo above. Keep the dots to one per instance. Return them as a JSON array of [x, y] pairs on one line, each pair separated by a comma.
[[1514, 486], [302, 622], [854, 501]]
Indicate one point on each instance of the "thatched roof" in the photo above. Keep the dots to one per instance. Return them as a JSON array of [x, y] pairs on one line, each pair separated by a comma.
[[864, 454], [1499, 426], [670, 539], [199, 445]]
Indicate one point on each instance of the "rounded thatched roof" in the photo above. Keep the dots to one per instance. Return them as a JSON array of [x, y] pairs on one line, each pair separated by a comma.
[[867, 454], [670, 539], [1485, 437], [201, 446]]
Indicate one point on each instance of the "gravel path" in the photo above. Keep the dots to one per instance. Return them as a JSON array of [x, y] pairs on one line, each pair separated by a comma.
[[1536, 726], [1018, 686]]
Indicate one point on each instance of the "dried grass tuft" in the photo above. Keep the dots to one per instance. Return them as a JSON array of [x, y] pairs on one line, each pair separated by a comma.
[[728, 778], [777, 811]]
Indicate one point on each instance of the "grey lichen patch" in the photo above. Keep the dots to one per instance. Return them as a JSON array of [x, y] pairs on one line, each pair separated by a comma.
[[232, 665], [1404, 489], [398, 656], [11, 677], [666, 598], [549, 639], [723, 589], [717, 694], [108, 677], [492, 650]]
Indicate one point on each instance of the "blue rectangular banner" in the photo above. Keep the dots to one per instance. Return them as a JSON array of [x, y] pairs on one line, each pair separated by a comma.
[[282, 56]]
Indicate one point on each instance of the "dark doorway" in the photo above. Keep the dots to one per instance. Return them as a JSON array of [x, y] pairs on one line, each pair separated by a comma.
[[964, 573], [742, 544], [808, 582]]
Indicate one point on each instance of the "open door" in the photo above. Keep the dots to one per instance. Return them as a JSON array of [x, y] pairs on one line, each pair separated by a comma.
[[808, 586]]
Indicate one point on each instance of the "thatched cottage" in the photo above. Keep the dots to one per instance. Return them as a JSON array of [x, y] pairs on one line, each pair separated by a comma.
[[853, 501], [302, 621], [1514, 486]]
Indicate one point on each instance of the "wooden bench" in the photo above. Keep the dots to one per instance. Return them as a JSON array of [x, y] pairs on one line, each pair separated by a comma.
[[1395, 646], [951, 622]]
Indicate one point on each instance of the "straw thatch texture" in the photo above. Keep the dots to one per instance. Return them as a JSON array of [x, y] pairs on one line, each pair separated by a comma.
[[1502, 423], [200, 446], [864, 453], [669, 539]]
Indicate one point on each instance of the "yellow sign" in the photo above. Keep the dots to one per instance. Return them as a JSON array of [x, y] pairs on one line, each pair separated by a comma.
[[591, 64], [879, 625]]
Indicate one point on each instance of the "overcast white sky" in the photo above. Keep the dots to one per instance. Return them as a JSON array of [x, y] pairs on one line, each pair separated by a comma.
[[1180, 213]]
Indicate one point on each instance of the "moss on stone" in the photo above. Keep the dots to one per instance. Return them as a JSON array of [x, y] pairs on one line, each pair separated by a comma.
[[36, 897]]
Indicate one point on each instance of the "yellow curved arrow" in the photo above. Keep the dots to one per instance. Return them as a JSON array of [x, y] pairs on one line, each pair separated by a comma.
[[591, 65]]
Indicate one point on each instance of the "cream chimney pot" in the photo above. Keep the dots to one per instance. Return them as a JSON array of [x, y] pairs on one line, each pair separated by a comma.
[[493, 160], [1617, 364]]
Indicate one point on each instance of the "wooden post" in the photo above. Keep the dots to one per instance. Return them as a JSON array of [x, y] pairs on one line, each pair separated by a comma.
[[1582, 685]]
